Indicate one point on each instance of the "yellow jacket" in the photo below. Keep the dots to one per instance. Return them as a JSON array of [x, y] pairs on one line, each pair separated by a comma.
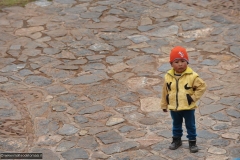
[[182, 93]]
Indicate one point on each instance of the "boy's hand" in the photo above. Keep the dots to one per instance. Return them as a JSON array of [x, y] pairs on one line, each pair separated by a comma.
[[164, 110]]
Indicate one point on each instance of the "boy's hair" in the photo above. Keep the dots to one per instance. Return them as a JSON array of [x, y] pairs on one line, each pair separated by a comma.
[[178, 52]]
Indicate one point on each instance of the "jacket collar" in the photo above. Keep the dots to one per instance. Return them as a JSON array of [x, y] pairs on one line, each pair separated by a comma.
[[187, 71]]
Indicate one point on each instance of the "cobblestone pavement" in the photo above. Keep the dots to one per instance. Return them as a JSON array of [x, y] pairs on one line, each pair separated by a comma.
[[81, 79]]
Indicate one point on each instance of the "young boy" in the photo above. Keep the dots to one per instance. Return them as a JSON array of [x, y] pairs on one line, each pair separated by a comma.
[[181, 90]]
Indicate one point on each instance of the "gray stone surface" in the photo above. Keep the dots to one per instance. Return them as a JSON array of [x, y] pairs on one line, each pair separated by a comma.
[[82, 79]]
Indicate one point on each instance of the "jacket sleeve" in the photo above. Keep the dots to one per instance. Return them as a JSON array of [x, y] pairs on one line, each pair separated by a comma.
[[164, 104], [199, 87]]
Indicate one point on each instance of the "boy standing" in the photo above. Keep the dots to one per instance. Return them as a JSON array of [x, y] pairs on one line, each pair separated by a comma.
[[181, 90]]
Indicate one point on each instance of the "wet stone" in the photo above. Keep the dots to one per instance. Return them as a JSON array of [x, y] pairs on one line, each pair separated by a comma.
[[220, 116], [75, 153], [67, 129], [110, 137], [88, 142], [119, 147], [220, 142], [207, 135], [65, 145], [233, 113], [80, 119]]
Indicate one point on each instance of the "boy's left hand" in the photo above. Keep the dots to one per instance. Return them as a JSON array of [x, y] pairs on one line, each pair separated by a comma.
[[164, 110]]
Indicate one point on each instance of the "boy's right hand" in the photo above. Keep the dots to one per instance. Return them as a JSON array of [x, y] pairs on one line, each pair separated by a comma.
[[164, 110]]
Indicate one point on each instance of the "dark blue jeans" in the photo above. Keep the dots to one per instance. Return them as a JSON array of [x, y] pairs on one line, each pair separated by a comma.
[[189, 117]]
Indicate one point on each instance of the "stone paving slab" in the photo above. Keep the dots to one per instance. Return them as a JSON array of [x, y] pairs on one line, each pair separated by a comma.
[[81, 79]]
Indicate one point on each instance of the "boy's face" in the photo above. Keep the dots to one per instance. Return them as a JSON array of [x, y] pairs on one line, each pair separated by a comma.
[[179, 65]]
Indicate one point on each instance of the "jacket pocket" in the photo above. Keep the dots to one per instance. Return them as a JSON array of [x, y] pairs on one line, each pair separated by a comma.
[[189, 99], [167, 98]]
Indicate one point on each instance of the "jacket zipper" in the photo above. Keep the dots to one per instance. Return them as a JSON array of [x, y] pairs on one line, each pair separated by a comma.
[[177, 94]]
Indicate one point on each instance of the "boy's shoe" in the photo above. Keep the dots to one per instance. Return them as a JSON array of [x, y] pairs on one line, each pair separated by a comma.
[[192, 146], [177, 142]]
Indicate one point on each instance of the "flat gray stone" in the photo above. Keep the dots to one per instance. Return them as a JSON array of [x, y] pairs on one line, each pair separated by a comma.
[[88, 142], [126, 109], [119, 147], [210, 62], [145, 28], [140, 60], [129, 97], [69, 97], [221, 117], [67, 129], [235, 50], [220, 142], [233, 113], [208, 109], [65, 145], [87, 79], [207, 135], [148, 121], [75, 153], [110, 137], [47, 153], [165, 133], [38, 81], [159, 2], [80, 119], [55, 89], [80, 104], [164, 32], [108, 90], [220, 126], [125, 129], [66, 1], [192, 25], [220, 19], [92, 109], [13, 144], [110, 102], [138, 38]]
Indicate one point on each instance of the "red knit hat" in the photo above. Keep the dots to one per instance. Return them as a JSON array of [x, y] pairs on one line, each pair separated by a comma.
[[178, 52]]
